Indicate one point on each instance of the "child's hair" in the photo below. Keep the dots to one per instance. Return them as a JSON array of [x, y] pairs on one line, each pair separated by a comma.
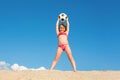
[[64, 27]]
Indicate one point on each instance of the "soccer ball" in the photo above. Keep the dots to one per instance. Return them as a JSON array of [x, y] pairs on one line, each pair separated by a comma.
[[62, 17]]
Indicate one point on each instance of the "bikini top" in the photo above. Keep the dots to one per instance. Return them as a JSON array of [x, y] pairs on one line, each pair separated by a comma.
[[62, 33]]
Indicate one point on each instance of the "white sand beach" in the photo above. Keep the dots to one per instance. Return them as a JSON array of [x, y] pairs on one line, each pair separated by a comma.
[[58, 75]]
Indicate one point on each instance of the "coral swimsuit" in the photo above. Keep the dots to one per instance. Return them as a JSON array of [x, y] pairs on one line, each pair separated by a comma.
[[62, 46]]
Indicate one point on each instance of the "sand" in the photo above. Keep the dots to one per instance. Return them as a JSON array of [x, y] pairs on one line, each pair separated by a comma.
[[58, 75]]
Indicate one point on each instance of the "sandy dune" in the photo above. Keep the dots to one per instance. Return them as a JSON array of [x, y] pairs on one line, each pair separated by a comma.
[[59, 75]]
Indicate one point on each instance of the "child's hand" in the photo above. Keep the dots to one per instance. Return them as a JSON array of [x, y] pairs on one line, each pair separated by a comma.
[[67, 19], [57, 21], [59, 18]]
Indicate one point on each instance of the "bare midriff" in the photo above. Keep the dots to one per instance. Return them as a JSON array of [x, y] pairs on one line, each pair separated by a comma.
[[62, 39]]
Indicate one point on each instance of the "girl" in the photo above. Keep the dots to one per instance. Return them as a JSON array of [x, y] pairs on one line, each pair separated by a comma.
[[63, 45]]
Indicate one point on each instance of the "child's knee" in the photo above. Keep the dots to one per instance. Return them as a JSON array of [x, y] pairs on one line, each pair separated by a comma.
[[56, 60]]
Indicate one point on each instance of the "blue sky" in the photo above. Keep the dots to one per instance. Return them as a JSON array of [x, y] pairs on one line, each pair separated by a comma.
[[28, 37]]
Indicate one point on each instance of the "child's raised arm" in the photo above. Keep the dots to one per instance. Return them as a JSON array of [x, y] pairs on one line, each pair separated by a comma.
[[57, 30], [67, 26]]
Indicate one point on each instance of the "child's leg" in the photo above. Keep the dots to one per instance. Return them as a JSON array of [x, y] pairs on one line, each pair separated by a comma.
[[69, 54], [58, 54]]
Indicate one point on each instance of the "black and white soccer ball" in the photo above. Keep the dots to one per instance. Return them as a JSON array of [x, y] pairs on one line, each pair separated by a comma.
[[62, 17]]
